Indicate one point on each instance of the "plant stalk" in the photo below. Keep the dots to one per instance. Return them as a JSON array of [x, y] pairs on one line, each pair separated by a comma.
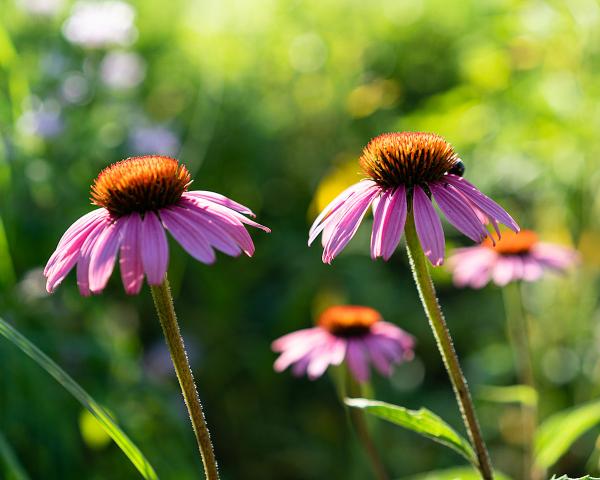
[[444, 342], [518, 333], [353, 389], [163, 301]]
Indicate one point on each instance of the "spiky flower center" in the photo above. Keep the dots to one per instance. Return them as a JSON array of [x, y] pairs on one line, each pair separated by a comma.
[[348, 320], [140, 184], [513, 243], [408, 158]]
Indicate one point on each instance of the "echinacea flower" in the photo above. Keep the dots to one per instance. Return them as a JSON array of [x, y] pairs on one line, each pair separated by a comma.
[[355, 334], [139, 198], [406, 172], [514, 257]]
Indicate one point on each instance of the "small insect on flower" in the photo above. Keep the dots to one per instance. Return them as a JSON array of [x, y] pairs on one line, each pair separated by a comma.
[[352, 333], [514, 257], [139, 198], [405, 173]]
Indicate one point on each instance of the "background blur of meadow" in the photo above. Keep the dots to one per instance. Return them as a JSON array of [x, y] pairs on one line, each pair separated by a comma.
[[268, 102]]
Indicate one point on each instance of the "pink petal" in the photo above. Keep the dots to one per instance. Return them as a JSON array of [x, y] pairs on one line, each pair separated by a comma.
[[220, 200], [188, 234], [83, 262], [458, 211], [429, 227], [484, 203], [472, 266], [348, 221], [356, 357], [388, 223], [104, 255], [507, 270], [132, 270], [532, 269], [554, 256], [379, 359], [154, 249]]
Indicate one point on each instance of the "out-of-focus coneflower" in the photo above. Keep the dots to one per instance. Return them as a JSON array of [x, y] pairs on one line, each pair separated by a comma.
[[405, 173], [513, 257], [139, 198], [354, 334]]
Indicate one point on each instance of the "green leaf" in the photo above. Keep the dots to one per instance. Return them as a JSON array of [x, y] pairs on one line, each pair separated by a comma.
[[62, 377], [459, 473], [11, 467], [422, 421], [556, 434], [523, 394], [564, 477]]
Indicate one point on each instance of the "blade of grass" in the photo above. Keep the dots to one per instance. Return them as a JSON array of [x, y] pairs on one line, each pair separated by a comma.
[[12, 468], [62, 377]]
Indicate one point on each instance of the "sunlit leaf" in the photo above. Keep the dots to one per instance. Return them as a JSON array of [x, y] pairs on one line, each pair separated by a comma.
[[422, 421], [459, 473], [9, 464], [523, 394], [107, 423], [564, 477], [556, 434]]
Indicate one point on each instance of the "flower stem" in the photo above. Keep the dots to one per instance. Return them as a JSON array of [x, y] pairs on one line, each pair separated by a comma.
[[444, 342], [518, 332], [353, 389], [163, 301]]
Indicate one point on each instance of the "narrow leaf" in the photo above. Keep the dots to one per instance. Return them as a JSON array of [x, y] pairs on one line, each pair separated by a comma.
[[556, 434], [458, 473], [62, 377], [11, 467], [523, 394], [564, 477], [422, 421]]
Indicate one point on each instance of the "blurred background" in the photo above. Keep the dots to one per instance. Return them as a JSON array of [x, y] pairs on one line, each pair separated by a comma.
[[270, 102]]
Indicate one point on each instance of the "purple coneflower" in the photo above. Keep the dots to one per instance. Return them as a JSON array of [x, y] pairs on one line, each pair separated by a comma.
[[513, 257], [139, 198], [352, 333], [406, 172]]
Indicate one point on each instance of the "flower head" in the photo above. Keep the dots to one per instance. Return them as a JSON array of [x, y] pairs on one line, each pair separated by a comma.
[[405, 173], [513, 257], [355, 334], [139, 198]]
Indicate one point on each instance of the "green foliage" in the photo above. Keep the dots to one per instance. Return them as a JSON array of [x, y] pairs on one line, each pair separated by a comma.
[[9, 464], [62, 377], [557, 433], [564, 477], [422, 421], [459, 473], [523, 394]]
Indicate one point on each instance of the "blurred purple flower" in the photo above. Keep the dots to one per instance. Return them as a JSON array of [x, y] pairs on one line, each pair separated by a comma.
[[122, 70], [155, 139], [514, 257], [350, 333], [98, 24], [44, 8], [44, 121]]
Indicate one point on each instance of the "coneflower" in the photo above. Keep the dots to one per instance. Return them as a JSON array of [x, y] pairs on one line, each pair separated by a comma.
[[140, 198]]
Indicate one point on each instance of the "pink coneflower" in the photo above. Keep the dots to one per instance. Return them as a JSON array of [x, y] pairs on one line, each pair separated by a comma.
[[514, 257], [140, 197], [406, 171], [352, 333]]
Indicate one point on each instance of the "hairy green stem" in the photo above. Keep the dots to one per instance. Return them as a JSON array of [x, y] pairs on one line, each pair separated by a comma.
[[163, 301], [518, 333], [353, 389], [434, 313]]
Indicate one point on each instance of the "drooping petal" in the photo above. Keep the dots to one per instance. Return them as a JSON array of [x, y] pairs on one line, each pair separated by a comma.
[[506, 270], [104, 255], [472, 266], [220, 200], [83, 263], [154, 249], [553, 256], [321, 359], [328, 215], [429, 227], [348, 221], [532, 269], [458, 212], [188, 234], [357, 359], [481, 201], [132, 270], [382, 363], [388, 223]]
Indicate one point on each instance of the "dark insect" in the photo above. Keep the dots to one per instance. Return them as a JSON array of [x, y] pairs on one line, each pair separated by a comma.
[[458, 168]]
